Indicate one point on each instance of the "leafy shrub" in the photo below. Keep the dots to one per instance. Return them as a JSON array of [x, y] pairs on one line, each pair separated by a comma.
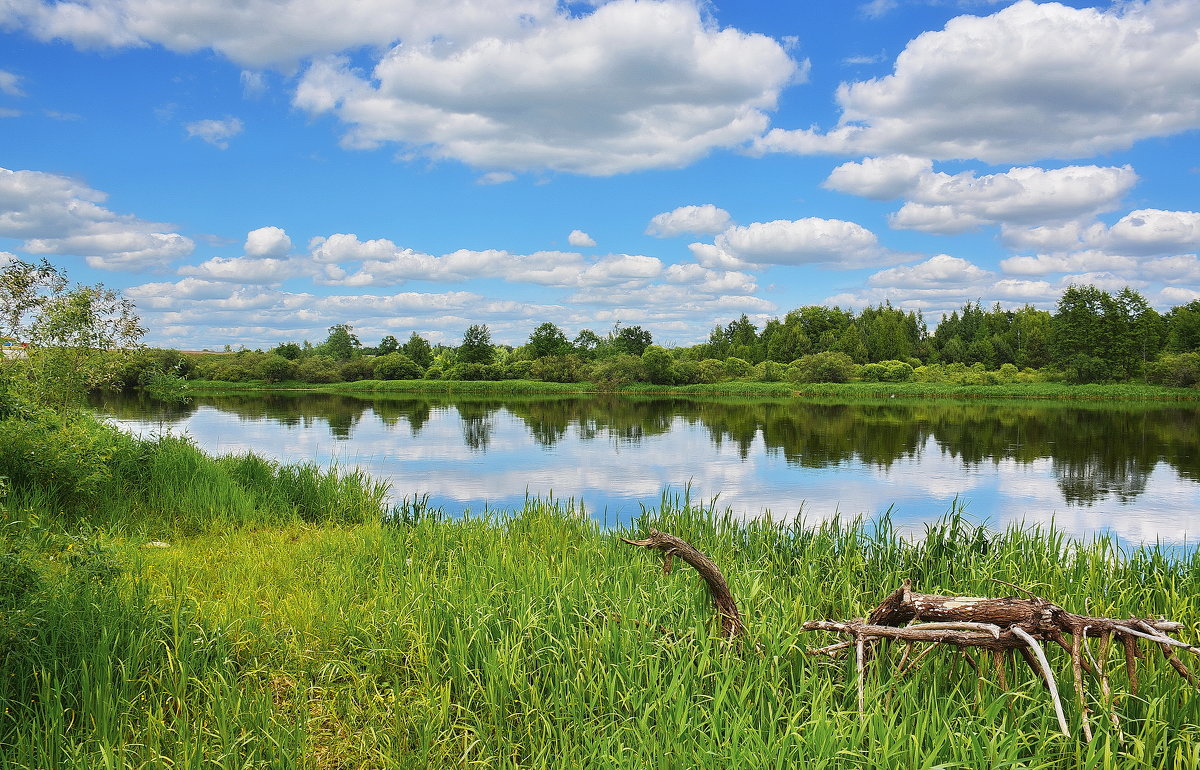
[[519, 369], [687, 372], [137, 366], [886, 371], [737, 368], [396, 366], [1177, 371], [565, 368], [1082, 369], [65, 455], [660, 369], [769, 371], [319, 369], [357, 369], [277, 368], [711, 370], [619, 370], [475, 371], [821, 367]]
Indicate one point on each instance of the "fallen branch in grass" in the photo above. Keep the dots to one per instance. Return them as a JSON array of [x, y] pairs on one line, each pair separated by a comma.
[[671, 546], [1002, 625]]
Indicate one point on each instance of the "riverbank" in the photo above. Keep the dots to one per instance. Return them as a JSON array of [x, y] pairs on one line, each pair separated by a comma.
[[159, 607], [854, 390], [532, 638]]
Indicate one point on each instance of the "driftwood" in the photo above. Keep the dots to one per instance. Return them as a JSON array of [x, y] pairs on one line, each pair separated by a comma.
[[999, 626], [727, 611], [1002, 625]]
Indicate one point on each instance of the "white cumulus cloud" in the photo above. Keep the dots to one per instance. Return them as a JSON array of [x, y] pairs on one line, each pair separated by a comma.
[[580, 239], [700, 220], [260, 33], [631, 85], [59, 215], [1154, 231], [1035, 80], [266, 270], [267, 242], [942, 271], [808, 241], [952, 203]]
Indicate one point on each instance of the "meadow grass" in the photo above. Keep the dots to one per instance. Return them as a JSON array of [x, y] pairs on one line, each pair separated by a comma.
[[533, 638]]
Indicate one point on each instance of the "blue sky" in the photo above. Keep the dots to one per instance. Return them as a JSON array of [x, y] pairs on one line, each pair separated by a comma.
[[254, 171]]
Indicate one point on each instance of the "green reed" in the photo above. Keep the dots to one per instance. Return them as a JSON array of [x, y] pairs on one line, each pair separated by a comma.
[[529, 638]]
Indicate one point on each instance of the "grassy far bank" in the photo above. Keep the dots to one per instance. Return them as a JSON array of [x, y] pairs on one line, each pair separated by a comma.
[[870, 390], [169, 609]]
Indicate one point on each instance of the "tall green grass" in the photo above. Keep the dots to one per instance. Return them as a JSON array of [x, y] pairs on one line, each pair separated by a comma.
[[80, 469], [533, 639]]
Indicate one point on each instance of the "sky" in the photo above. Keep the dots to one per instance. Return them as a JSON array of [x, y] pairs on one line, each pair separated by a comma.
[[251, 172]]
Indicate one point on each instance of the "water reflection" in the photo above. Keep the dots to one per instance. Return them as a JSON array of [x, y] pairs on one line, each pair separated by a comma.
[[1110, 467]]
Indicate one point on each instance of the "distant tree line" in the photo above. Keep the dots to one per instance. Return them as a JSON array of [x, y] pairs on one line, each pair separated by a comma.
[[1092, 336]]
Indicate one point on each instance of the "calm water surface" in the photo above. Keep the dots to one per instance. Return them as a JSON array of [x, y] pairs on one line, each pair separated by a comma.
[[1133, 470]]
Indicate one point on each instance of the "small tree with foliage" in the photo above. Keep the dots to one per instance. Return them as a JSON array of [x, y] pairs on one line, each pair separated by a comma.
[[318, 369], [587, 343], [419, 350], [631, 340], [388, 344], [476, 347], [341, 344], [548, 340], [76, 339], [289, 350]]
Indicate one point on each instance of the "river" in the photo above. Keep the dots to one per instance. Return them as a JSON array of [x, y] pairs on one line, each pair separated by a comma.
[[1132, 470]]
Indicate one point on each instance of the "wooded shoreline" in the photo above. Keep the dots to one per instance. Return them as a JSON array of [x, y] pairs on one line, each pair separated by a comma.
[[852, 390]]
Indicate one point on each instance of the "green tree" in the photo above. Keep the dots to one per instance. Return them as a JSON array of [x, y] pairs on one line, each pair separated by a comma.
[[742, 331], [1078, 327], [341, 344], [289, 350], [1141, 330], [631, 340], [587, 342], [786, 340], [851, 343], [419, 350], [822, 325], [77, 339], [1183, 328], [476, 346], [718, 343], [1031, 337], [388, 344], [548, 340]]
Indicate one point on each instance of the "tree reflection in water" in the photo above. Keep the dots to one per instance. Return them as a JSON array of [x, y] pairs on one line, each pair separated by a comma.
[[1096, 450]]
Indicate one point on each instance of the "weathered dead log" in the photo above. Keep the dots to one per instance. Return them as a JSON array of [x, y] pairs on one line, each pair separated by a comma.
[[727, 611], [1035, 614], [1004, 624]]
